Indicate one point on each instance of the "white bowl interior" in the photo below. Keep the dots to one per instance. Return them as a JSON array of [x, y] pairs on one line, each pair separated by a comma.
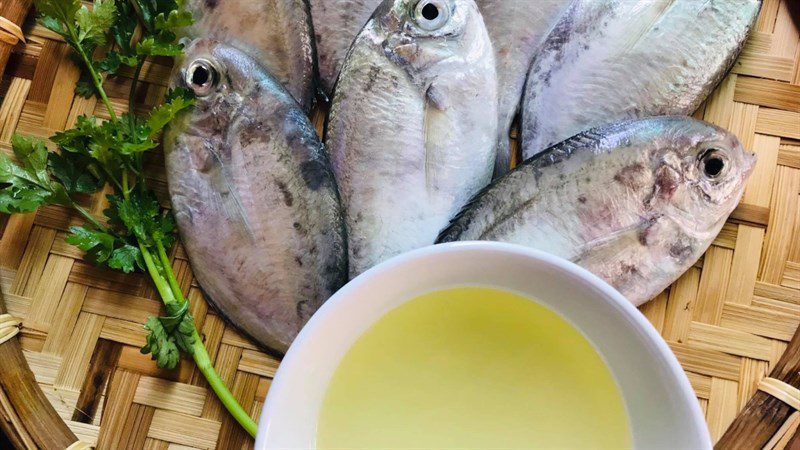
[[661, 405]]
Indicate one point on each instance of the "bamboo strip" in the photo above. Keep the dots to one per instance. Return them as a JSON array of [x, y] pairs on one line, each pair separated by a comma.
[[258, 363], [759, 187], [778, 123], [182, 429], [759, 321], [33, 261], [722, 406], [734, 342], [171, 396], [772, 94], [11, 108], [50, 286], [752, 373], [79, 352], [119, 399], [707, 362], [783, 213], [713, 284], [683, 296], [744, 268], [67, 315], [44, 366]]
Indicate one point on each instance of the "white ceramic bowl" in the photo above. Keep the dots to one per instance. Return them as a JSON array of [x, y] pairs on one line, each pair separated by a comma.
[[660, 402]]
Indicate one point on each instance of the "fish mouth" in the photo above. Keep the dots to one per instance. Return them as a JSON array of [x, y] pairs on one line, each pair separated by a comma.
[[750, 158]]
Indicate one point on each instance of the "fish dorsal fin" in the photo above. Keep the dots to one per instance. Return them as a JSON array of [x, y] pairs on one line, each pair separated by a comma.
[[644, 27]]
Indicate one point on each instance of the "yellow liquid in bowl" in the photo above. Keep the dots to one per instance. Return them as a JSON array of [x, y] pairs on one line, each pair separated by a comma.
[[472, 368]]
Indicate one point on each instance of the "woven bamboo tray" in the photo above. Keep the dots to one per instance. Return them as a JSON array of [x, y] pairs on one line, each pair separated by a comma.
[[728, 319]]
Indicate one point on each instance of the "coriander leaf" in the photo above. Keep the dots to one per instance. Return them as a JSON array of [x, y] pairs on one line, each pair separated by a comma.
[[140, 214], [180, 325], [98, 245], [124, 29], [75, 172], [11, 172], [21, 198], [186, 93], [150, 9], [137, 136], [177, 101], [85, 87], [93, 25], [161, 45], [77, 139], [175, 19], [59, 195], [110, 63], [112, 212], [165, 229], [57, 15], [33, 155], [160, 345], [52, 24], [126, 258], [170, 333], [23, 188], [129, 148]]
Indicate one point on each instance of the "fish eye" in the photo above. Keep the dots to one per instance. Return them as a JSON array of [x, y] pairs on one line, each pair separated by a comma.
[[431, 15], [713, 164], [201, 77]]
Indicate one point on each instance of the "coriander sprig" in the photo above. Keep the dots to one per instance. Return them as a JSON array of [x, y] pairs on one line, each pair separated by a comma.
[[136, 231]]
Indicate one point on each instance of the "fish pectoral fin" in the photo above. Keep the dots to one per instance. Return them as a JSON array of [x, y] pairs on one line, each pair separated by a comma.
[[436, 97], [230, 203]]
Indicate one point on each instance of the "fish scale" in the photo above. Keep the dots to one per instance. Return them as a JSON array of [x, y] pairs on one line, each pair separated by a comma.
[[629, 202]]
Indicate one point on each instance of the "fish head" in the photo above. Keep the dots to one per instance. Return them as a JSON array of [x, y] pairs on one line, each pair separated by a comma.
[[703, 175], [419, 34], [222, 80]]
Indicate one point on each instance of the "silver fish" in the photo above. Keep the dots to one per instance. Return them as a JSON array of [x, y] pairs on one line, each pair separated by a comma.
[[636, 203], [413, 125], [612, 60], [277, 33], [517, 29], [254, 197], [336, 24]]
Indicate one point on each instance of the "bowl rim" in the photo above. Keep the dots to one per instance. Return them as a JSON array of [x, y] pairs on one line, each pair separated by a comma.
[[615, 298]]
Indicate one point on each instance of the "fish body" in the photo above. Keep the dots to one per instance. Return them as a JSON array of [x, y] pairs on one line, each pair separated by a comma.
[[636, 203], [277, 33], [613, 60], [254, 196], [413, 124], [336, 24], [517, 29]]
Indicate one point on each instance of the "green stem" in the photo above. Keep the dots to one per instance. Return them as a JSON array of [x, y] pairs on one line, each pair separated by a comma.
[[97, 80], [167, 265], [199, 352], [134, 82], [203, 362], [126, 193], [88, 216], [152, 268]]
